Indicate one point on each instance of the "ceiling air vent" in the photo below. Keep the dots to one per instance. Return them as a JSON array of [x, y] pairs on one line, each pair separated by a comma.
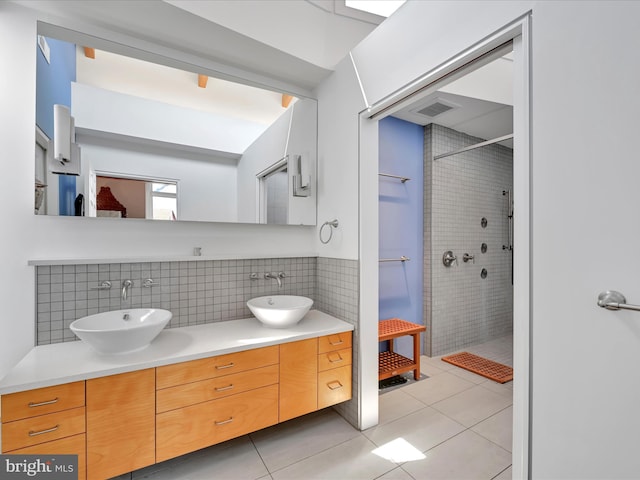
[[434, 109]]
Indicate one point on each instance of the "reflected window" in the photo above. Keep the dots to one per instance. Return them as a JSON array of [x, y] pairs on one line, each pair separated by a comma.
[[136, 198], [164, 201]]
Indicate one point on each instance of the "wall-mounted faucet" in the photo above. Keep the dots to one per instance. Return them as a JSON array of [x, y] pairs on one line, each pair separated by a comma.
[[276, 276], [126, 285]]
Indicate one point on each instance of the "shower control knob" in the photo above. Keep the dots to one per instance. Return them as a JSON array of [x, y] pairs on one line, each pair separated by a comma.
[[448, 258], [466, 257]]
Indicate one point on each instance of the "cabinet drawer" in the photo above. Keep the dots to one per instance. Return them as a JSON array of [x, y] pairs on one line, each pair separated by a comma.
[[74, 445], [42, 401], [334, 386], [338, 341], [196, 370], [329, 360], [191, 428], [205, 390], [43, 428]]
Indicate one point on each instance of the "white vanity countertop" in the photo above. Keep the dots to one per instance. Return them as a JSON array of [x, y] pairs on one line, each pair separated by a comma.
[[58, 363]]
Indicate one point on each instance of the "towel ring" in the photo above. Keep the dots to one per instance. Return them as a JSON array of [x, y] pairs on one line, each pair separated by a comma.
[[332, 224]]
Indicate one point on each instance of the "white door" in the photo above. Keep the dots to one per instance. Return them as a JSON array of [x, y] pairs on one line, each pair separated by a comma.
[[586, 236]]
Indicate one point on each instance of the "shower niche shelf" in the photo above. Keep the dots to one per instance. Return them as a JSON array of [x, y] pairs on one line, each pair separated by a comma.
[[391, 363]]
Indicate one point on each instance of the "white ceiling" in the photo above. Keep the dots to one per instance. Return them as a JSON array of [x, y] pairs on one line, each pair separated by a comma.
[[482, 102], [318, 32]]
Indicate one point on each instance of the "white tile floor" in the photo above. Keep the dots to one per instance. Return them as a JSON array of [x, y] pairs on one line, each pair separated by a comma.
[[452, 425]]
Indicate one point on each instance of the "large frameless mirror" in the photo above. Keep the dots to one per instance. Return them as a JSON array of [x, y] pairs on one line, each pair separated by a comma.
[[131, 138]]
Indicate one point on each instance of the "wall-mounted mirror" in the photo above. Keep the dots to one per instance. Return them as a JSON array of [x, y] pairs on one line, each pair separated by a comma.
[[157, 142]]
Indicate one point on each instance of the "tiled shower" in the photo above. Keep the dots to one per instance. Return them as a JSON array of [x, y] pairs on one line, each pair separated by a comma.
[[468, 302]]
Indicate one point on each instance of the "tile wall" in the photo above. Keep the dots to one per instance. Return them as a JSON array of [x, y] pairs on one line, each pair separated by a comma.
[[337, 295], [196, 292], [462, 308]]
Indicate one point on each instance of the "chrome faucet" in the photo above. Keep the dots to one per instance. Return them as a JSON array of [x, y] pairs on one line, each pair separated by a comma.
[[276, 276], [126, 285]]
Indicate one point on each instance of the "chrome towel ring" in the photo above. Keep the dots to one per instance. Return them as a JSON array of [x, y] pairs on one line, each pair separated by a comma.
[[332, 224]]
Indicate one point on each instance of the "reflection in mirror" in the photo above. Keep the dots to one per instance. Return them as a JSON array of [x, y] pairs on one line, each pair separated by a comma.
[[274, 186], [140, 124], [119, 197]]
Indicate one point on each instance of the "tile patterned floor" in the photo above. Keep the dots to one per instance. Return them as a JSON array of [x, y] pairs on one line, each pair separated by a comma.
[[451, 425]]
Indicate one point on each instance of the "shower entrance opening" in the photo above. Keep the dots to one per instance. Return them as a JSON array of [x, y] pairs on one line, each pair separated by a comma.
[[445, 207], [474, 249]]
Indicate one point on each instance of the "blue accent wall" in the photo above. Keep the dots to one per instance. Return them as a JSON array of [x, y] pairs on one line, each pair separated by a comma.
[[401, 152], [53, 86], [53, 81]]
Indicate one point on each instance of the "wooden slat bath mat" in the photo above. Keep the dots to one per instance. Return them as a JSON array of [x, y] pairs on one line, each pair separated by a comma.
[[482, 366]]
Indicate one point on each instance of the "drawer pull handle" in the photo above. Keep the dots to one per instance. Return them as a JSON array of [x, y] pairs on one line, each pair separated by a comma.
[[224, 422], [48, 430], [334, 385], [222, 367], [339, 342], [222, 389], [48, 402], [334, 359]]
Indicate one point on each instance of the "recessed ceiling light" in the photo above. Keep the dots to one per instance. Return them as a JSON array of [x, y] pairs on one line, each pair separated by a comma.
[[384, 8]]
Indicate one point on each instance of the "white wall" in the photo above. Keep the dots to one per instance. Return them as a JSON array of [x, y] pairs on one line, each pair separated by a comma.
[[17, 117], [339, 101], [26, 236]]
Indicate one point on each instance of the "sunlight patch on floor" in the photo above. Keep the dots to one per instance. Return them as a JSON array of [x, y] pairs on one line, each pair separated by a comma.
[[399, 451]]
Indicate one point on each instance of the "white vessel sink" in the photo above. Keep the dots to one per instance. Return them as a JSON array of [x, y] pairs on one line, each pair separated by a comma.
[[121, 331], [279, 311]]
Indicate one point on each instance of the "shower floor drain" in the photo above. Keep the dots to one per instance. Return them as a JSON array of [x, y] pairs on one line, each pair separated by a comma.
[[482, 366], [392, 381]]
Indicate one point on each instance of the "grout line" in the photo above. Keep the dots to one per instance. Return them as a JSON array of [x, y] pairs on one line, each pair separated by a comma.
[[259, 455], [501, 472]]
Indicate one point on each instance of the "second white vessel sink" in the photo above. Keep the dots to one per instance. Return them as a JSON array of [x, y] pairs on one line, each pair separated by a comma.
[[121, 331], [280, 311]]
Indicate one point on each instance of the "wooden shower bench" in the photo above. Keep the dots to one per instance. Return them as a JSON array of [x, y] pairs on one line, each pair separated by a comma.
[[391, 363]]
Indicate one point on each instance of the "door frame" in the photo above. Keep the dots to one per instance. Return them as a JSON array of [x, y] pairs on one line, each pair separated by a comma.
[[519, 32]]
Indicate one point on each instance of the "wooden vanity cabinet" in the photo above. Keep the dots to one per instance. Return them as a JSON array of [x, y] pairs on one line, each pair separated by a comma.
[[45, 421], [204, 402], [120, 423], [334, 369], [314, 374], [124, 422], [298, 378]]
